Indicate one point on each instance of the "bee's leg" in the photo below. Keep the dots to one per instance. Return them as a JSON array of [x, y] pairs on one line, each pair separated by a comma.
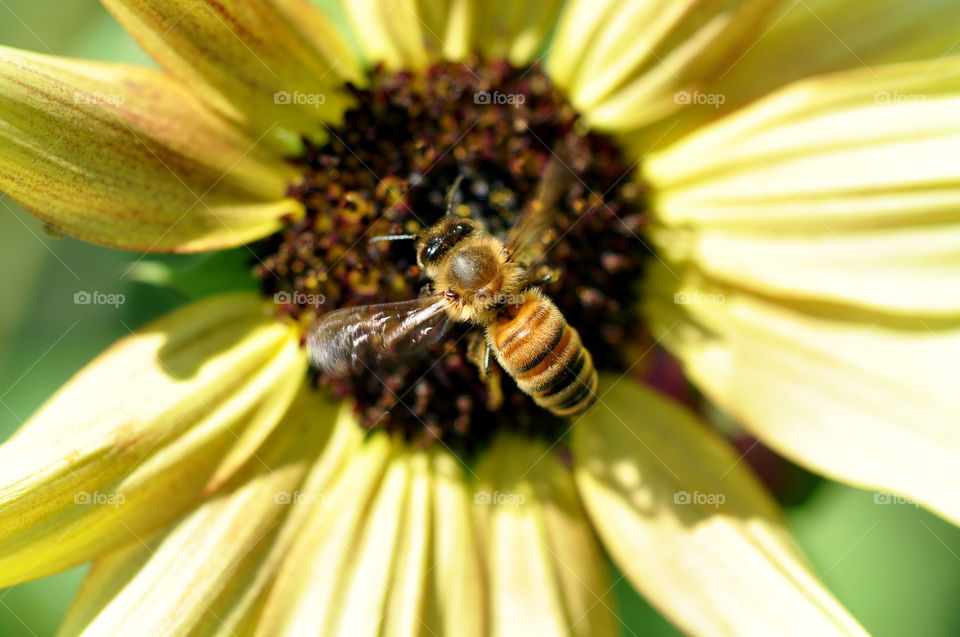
[[476, 356], [478, 353], [541, 274]]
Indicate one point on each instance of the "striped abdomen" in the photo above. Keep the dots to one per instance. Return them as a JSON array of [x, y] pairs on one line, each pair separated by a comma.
[[545, 356]]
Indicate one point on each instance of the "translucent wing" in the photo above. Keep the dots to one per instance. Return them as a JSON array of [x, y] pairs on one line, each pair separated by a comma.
[[352, 337], [526, 239]]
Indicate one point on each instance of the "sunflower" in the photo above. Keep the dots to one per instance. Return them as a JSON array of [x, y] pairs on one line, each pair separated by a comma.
[[775, 211]]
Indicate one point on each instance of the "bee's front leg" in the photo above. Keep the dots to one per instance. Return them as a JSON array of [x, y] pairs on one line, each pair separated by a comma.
[[479, 353]]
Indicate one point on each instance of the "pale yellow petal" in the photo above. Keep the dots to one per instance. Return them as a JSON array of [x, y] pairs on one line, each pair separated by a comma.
[[514, 31], [207, 574], [265, 64], [844, 151], [143, 433], [412, 34], [627, 64], [814, 37], [690, 527], [397, 33], [304, 597], [360, 606], [840, 189], [858, 397], [127, 158], [911, 271], [546, 573], [389, 551], [458, 29], [406, 590], [456, 601]]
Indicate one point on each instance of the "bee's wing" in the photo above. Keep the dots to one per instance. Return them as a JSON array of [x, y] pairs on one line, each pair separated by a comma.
[[352, 337], [526, 239]]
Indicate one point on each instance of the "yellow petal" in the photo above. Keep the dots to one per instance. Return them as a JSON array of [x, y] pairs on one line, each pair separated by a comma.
[[800, 157], [690, 527], [814, 37], [207, 574], [625, 63], [912, 271], [143, 433], [842, 189], [126, 157], [261, 63], [414, 34], [515, 31], [456, 603], [860, 398], [457, 28], [386, 553], [822, 36], [547, 575], [401, 35], [303, 599]]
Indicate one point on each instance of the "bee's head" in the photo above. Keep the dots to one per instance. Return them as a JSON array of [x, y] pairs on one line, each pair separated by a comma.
[[439, 238]]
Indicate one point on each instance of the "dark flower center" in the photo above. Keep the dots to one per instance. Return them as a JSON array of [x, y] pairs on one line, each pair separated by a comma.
[[489, 129]]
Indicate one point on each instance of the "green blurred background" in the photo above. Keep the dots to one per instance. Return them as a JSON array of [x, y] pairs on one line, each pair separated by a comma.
[[894, 566]]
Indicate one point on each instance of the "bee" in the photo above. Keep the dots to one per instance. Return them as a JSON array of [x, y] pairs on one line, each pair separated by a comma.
[[478, 279]]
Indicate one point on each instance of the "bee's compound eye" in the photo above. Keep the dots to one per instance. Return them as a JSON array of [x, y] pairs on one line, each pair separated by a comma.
[[432, 249]]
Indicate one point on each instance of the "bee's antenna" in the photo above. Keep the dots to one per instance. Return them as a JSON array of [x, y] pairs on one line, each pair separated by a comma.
[[452, 191], [392, 237]]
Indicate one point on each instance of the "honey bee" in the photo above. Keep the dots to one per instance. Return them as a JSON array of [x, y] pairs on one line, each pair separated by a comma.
[[476, 278]]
